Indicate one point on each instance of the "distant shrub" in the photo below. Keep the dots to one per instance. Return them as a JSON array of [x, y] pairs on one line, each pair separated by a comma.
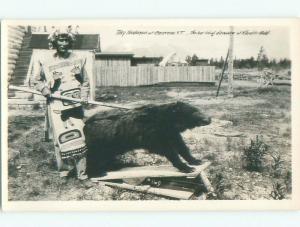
[[34, 191], [277, 165], [211, 157], [288, 181], [36, 106], [287, 133], [253, 156], [220, 184], [278, 192]]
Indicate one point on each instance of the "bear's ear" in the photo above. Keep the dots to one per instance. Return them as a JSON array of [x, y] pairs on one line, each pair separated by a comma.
[[175, 107], [180, 104]]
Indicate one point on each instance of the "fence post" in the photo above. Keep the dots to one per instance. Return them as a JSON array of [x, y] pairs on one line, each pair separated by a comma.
[[230, 65]]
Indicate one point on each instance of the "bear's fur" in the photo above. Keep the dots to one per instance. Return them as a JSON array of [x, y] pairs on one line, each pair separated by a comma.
[[155, 128]]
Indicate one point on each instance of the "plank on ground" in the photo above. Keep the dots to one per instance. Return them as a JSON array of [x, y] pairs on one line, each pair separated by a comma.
[[156, 191], [150, 171]]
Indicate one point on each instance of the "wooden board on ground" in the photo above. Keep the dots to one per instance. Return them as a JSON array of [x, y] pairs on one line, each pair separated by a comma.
[[150, 171], [156, 191], [282, 82]]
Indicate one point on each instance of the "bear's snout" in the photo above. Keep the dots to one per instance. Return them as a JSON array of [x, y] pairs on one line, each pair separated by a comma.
[[203, 119]]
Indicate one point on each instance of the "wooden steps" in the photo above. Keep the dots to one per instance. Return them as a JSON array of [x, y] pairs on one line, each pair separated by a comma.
[[22, 62]]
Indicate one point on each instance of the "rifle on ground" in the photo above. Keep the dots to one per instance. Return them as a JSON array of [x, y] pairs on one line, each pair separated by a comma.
[[66, 98]]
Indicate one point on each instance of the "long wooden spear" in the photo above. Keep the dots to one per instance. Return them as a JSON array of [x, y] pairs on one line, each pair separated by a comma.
[[61, 97]]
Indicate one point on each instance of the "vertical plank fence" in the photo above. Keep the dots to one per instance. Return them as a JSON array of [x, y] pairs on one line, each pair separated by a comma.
[[149, 75]]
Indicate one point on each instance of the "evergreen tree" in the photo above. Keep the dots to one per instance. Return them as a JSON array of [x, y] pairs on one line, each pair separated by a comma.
[[188, 59], [194, 59], [262, 59]]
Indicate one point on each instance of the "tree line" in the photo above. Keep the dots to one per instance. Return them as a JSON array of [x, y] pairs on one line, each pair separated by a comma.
[[260, 62], [250, 63]]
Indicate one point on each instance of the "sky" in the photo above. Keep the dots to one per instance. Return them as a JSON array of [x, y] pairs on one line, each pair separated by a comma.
[[204, 41]]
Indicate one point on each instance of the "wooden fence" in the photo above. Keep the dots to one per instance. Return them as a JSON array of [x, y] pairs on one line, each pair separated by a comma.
[[149, 75]]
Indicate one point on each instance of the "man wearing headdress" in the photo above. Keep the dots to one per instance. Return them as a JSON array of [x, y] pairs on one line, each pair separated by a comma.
[[62, 72]]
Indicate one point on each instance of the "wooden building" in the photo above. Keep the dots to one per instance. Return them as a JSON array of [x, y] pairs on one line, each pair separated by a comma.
[[113, 59], [136, 61], [106, 68], [15, 40], [201, 62], [123, 69], [124, 59]]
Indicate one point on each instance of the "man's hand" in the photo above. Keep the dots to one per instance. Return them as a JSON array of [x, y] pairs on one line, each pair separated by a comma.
[[85, 100], [46, 92]]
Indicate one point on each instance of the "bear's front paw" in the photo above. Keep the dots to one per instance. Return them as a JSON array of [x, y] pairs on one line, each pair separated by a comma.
[[195, 162], [187, 169]]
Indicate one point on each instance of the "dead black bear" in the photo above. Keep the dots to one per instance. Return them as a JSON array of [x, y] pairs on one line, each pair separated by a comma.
[[155, 128]]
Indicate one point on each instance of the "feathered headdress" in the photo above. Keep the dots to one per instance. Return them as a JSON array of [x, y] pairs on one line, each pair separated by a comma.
[[57, 33]]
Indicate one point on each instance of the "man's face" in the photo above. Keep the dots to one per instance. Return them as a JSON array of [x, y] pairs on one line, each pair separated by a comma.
[[63, 45]]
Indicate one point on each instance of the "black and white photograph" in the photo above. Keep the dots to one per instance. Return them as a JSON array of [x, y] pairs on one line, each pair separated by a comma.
[[102, 112]]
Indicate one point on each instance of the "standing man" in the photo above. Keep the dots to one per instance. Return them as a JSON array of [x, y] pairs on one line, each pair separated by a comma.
[[62, 72]]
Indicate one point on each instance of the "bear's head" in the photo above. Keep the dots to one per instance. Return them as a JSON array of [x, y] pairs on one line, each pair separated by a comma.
[[185, 116]]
